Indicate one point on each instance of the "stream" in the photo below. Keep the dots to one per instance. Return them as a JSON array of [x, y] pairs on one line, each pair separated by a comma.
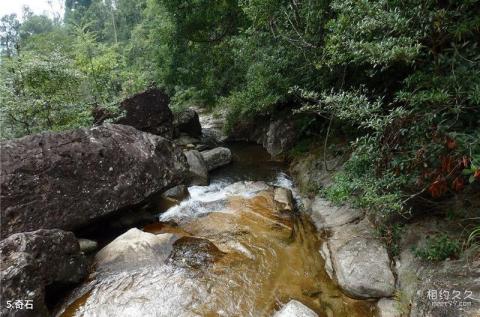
[[230, 249]]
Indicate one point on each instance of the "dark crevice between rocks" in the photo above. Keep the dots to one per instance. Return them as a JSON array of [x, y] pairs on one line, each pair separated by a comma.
[[55, 292], [105, 229]]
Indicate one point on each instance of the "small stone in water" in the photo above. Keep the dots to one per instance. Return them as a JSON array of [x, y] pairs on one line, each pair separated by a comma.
[[87, 246], [295, 309]]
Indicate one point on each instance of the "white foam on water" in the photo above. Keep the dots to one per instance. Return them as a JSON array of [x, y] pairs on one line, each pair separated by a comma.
[[206, 199], [208, 193]]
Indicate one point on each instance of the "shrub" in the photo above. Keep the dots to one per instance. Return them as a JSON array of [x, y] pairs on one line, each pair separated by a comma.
[[439, 248]]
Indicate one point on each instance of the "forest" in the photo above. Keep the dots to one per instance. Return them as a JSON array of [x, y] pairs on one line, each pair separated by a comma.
[[395, 84], [399, 79]]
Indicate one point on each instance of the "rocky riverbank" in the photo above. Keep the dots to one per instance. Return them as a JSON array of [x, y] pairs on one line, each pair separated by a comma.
[[86, 179], [357, 258], [187, 241]]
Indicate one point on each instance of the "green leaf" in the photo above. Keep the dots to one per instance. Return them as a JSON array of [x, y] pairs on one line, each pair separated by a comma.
[[471, 179]]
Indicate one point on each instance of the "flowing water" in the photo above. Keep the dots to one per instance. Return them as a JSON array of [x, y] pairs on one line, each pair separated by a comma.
[[230, 250]]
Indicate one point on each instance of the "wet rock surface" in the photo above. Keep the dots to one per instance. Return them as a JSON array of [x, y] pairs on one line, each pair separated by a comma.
[[224, 251], [194, 253], [217, 157], [284, 199], [31, 261], [295, 309], [68, 179]]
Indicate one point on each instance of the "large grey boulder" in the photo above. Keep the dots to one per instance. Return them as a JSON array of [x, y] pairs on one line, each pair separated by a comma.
[[67, 180], [146, 111], [187, 121], [295, 309], [217, 157], [360, 261], [31, 261], [198, 172], [280, 137], [326, 215]]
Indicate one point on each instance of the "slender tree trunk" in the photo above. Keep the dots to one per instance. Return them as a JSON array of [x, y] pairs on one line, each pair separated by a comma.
[[114, 25]]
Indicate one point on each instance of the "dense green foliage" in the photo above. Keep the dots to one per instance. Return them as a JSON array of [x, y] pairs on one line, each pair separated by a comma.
[[400, 78], [438, 248]]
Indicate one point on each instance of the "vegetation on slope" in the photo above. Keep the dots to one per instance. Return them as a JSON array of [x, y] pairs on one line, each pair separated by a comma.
[[400, 78]]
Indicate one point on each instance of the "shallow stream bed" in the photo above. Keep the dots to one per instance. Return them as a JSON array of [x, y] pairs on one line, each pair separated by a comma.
[[231, 251]]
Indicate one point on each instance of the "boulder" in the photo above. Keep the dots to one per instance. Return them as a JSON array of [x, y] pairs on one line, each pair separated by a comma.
[[67, 180], [198, 172], [147, 111], [134, 249], [217, 157], [31, 261], [280, 137], [187, 121], [195, 253], [211, 138], [326, 215], [387, 307], [295, 309], [360, 261]]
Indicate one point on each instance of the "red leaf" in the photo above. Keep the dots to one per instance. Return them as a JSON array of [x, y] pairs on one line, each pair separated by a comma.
[[451, 143], [438, 187], [458, 184]]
